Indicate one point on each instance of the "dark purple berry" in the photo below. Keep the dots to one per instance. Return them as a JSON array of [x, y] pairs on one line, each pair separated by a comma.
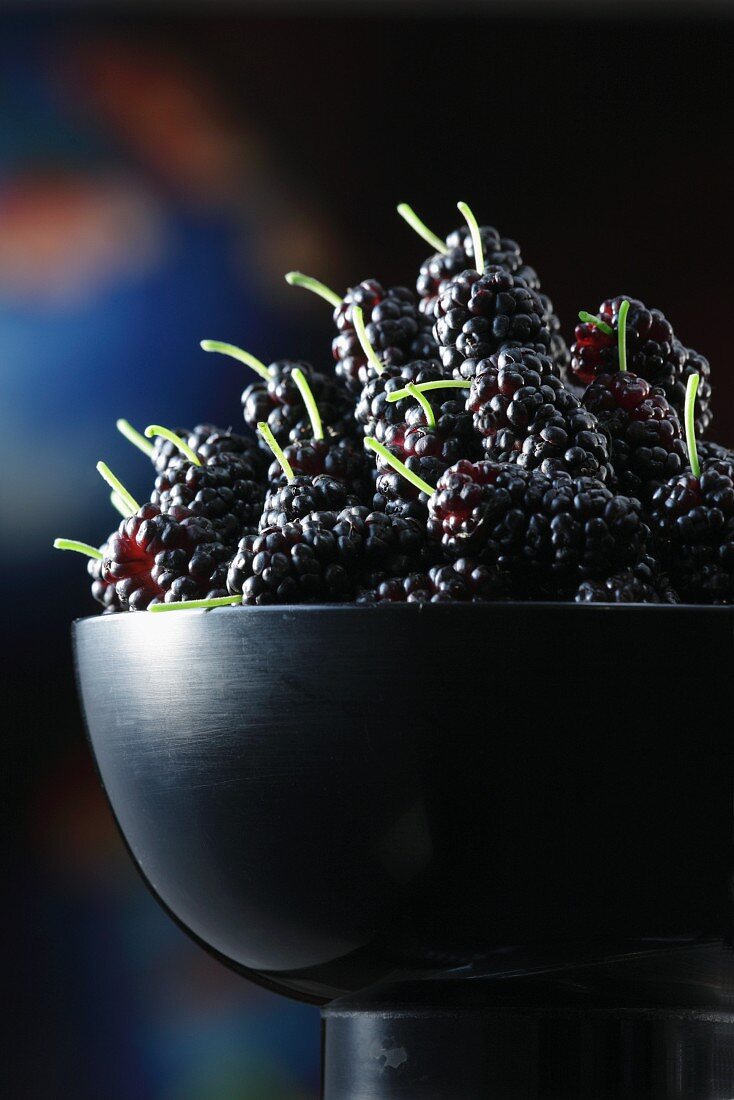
[[279, 404], [653, 352], [155, 557], [296, 563], [643, 583], [220, 491], [476, 314], [693, 526], [301, 496], [647, 446], [208, 441], [525, 415], [547, 534], [344, 461], [395, 328]]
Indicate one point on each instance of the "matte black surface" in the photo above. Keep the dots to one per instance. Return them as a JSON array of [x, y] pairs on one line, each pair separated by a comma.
[[533, 801]]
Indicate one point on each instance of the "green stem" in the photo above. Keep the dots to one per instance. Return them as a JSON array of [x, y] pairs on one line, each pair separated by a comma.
[[310, 402], [79, 548], [115, 484], [590, 319], [276, 448], [476, 236], [297, 278], [399, 466], [190, 605], [237, 353], [358, 322], [622, 334], [119, 505], [689, 416], [423, 387], [424, 403], [409, 215], [132, 436], [186, 451]]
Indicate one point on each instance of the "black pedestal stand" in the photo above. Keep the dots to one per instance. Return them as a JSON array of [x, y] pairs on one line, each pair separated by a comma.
[[459, 1051], [494, 841]]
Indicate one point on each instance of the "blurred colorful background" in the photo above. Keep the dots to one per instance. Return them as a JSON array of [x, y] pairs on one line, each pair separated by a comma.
[[161, 167]]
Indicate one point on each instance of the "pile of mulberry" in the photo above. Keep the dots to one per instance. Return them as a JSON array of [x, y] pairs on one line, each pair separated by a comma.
[[453, 452]]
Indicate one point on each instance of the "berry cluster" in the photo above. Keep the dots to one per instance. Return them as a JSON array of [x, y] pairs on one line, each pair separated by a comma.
[[456, 452]]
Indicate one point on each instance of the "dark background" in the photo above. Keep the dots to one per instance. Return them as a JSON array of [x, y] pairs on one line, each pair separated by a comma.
[[159, 172]]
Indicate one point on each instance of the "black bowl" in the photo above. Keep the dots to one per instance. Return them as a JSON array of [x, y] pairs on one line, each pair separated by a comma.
[[330, 798]]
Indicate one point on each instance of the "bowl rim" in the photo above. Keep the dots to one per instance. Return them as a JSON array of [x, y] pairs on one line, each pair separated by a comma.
[[480, 607]]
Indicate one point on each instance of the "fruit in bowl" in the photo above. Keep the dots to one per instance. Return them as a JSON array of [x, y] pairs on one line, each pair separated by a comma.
[[491, 837], [450, 458]]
